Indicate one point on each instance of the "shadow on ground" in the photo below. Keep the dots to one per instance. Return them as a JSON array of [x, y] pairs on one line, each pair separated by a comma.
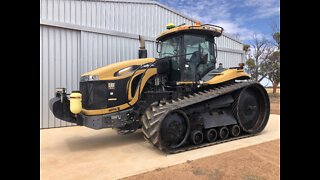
[[108, 140], [103, 141]]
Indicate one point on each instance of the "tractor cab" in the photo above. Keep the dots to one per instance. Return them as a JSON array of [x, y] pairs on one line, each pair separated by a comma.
[[191, 50]]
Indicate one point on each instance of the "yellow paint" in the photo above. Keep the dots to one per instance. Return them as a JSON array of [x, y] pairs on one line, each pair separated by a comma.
[[227, 75], [221, 77], [107, 72], [130, 85], [75, 103], [186, 27]]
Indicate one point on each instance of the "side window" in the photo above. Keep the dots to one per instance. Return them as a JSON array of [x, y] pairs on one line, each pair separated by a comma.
[[205, 46]]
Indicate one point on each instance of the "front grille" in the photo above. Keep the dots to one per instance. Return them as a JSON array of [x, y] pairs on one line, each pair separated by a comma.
[[94, 94]]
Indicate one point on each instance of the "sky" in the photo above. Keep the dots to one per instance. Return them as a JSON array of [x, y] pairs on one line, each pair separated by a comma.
[[242, 17]]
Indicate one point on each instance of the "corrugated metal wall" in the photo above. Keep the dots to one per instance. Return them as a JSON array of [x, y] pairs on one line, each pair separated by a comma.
[[70, 47], [98, 50], [59, 67], [228, 59], [226, 42], [232, 53]]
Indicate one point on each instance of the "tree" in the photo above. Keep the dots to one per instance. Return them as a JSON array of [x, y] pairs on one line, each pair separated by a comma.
[[275, 33], [251, 66], [264, 57], [276, 37], [273, 64], [261, 51], [246, 49], [274, 72]]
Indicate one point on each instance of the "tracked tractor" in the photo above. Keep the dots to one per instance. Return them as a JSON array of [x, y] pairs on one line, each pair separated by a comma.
[[180, 101]]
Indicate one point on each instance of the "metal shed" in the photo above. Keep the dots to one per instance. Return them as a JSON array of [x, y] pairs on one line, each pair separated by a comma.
[[77, 36]]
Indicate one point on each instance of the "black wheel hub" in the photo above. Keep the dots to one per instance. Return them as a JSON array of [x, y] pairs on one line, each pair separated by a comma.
[[174, 129], [250, 109]]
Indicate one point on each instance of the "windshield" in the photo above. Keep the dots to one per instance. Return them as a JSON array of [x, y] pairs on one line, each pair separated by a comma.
[[171, 48]]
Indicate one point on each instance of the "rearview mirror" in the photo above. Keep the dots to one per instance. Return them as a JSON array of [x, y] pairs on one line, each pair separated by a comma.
[[159, 45]]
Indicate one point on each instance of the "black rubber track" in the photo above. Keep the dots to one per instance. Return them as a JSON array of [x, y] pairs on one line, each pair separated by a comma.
[[152, 118]]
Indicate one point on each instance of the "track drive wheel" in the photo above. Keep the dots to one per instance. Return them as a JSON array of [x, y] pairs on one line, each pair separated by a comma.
[[165, 131], [174, 129]]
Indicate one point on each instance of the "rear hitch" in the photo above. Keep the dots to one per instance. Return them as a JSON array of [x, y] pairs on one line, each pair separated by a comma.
[[61, 92]]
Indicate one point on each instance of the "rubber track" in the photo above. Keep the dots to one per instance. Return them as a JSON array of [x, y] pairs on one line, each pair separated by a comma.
[[154, 114]]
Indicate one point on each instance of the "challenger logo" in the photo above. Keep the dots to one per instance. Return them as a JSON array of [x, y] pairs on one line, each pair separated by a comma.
[[111, 85]]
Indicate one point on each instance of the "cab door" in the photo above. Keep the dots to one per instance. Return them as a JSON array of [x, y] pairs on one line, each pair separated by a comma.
[[198, 58]]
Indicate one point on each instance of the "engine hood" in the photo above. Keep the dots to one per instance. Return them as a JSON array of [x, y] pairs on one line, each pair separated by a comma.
[[108, 72]]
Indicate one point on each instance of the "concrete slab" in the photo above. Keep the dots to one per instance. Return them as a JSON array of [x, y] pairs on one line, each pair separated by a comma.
[[83, 153]]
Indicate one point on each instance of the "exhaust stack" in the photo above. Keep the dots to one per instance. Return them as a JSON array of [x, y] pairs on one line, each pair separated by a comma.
[[142, 50]]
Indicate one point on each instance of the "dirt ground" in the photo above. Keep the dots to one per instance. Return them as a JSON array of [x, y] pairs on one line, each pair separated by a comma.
[[258, 162]]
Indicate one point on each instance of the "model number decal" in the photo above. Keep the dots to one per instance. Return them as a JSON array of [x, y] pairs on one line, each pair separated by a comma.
[[111, 85], [116, 117]]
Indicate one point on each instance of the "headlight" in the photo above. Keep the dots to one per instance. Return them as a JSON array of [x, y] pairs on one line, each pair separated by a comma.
[[89, 78]]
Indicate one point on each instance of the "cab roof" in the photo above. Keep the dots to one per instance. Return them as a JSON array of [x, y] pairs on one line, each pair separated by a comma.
[[203, 29]]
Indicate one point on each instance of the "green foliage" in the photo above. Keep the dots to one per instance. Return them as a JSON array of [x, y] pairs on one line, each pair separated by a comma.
[[273, 67], [246, 47], [250, 63], [276, 37], [251, 67], [264, 61], [261, 50]]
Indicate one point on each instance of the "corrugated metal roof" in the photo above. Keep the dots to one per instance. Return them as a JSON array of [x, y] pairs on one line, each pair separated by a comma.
[[168, 8], [151, 2]]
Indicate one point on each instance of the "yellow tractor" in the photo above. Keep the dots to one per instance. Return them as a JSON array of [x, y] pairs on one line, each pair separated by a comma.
[[180, 101]]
